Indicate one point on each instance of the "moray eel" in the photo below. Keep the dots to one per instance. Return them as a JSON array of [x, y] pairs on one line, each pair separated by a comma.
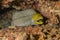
[[37, 18]]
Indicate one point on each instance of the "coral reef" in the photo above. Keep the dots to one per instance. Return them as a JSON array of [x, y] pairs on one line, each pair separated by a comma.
[[31, 33], [48, 8]]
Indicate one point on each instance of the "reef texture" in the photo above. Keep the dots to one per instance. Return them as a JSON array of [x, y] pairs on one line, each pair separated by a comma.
[[30, 33]]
